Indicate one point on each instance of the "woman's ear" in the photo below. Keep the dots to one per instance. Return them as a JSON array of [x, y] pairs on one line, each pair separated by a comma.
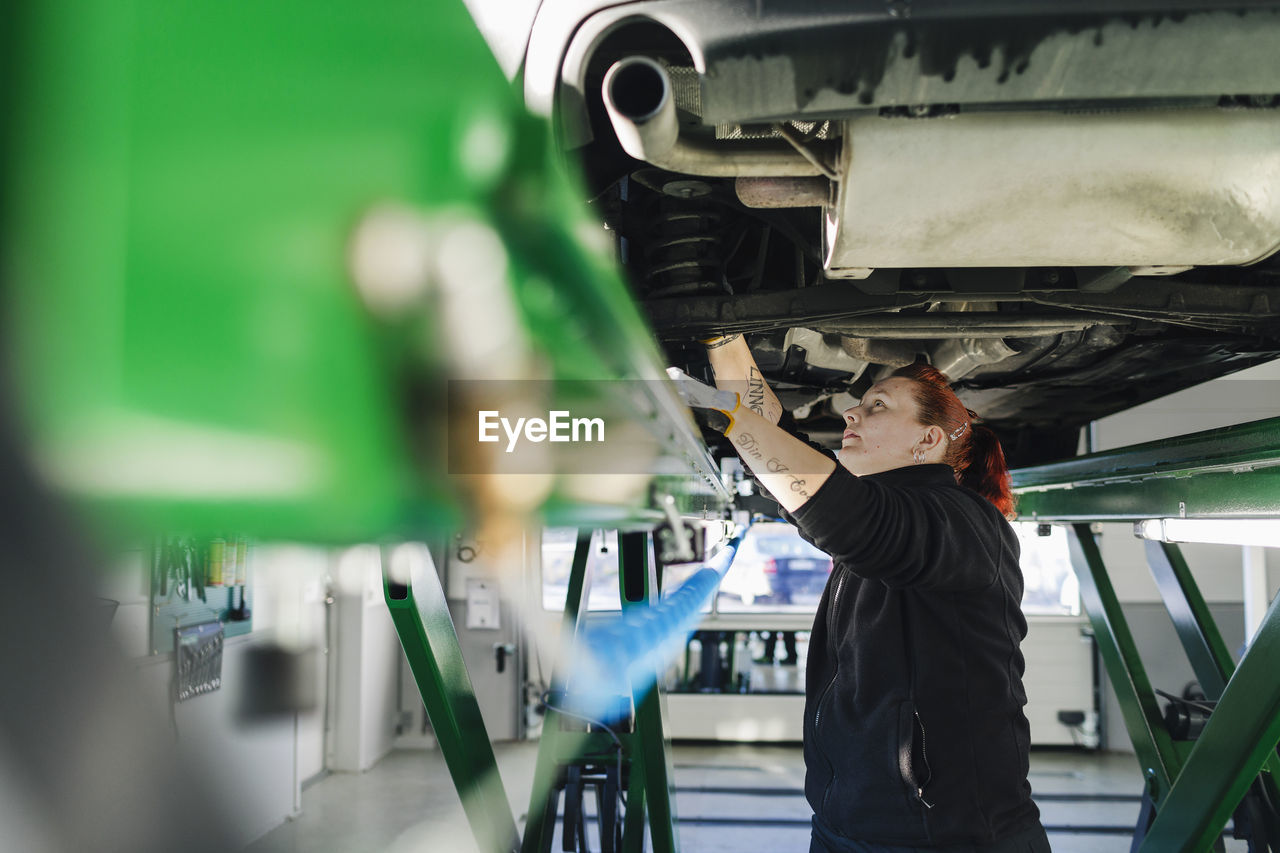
[[933, 438]]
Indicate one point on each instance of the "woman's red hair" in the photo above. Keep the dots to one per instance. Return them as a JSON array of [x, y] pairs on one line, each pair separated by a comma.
[[974, 453]]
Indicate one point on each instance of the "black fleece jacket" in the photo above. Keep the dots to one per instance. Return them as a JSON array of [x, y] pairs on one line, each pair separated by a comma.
[[914, 729]]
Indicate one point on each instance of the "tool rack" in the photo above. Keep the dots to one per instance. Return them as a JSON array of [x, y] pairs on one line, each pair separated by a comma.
[[1191, 786]]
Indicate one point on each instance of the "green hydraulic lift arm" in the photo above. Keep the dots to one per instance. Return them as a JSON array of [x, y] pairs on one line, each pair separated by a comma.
[[1226, 473], [652, 776], [1240, 737], [1210, 659], [1151, 741], [421, 617], [1232, 472], [554, 743]]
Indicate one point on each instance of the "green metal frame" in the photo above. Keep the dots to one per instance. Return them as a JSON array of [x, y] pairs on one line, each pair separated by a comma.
[[420, 613], [1224, 473], [558, 745], [1194, 787], [1239, 739], [1156, 750], [211, 164], [646, 752], [1210, 659], [652, 776]]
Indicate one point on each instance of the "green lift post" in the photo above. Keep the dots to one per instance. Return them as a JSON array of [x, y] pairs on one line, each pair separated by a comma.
[[1192, 786], [421, 617], [637, 746]]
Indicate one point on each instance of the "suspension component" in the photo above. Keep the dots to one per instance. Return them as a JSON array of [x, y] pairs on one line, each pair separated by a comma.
[[682, 247]]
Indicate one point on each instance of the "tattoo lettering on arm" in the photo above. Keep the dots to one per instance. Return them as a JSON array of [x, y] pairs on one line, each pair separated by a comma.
[[776, 466], [758, 398], [748, 444], [755, 391]]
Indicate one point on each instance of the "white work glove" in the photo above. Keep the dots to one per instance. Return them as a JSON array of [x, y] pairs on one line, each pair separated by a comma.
[[711, 406]]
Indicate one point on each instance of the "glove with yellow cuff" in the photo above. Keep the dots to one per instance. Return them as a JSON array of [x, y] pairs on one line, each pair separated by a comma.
[[711, 406]]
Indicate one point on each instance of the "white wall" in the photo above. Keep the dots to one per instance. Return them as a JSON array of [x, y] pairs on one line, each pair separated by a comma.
[[1250, 395], [255, 765], [367, 665]]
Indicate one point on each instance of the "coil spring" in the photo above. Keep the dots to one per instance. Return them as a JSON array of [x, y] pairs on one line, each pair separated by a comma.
[[683, 248]]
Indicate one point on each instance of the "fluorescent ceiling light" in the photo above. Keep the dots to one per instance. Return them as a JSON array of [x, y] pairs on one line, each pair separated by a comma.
[[1213, 531]]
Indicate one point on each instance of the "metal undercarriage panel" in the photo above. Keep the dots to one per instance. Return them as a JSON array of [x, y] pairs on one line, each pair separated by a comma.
[[819, 59], [1070, 208]]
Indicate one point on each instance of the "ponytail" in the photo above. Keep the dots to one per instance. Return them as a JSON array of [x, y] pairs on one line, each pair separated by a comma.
[[987, 473], [973, 452]]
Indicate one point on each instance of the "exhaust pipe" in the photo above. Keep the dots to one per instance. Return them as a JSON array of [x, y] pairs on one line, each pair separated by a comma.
[[637, 97]]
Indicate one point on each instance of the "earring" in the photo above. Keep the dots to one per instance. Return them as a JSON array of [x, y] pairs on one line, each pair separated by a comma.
[[918, 455]]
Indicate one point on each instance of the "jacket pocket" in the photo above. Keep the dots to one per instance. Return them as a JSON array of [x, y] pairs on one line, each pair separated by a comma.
[[819, 747], [913, 754]]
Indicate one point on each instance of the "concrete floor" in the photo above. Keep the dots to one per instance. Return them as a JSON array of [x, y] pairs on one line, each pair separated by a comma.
[[407, 804]]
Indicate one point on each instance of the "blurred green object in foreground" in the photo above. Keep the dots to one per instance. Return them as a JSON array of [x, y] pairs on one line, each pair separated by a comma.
[[194, 346]]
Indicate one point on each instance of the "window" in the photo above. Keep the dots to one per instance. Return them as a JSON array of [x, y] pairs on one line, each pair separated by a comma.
[[775, 571], [1051, 585], [602, 568]]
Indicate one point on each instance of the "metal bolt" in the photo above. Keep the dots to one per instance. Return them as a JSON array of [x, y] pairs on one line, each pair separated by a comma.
[[1051, 278], [686, 189]]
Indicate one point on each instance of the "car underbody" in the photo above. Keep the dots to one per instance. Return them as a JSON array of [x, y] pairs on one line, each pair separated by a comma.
[[1068, 213]]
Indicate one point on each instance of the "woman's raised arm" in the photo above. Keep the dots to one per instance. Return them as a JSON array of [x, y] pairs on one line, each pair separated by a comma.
[[791, 470], [736, 370]]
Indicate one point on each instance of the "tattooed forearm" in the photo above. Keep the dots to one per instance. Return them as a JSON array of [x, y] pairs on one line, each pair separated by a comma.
[[748, 444], [777, 466], [784, 467], [755, 391]]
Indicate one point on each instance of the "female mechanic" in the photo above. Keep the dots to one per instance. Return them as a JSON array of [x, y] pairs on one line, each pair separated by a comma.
[[914, 734]]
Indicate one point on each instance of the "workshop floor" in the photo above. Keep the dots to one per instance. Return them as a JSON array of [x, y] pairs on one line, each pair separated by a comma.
[[407, 803]]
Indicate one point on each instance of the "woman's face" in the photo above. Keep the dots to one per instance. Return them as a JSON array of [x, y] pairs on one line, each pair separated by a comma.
[[882, 431]]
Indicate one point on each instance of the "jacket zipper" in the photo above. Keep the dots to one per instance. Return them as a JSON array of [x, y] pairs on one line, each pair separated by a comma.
[[924, 755], [831, 621], [919, 723], [822, 697]]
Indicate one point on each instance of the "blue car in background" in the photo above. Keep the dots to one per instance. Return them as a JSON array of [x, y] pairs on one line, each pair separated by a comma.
[[775, 565], [796, 570]]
